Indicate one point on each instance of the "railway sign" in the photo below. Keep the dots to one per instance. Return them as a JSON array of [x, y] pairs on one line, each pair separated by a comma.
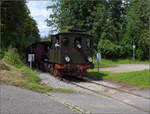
[[134, 46], [31, 58], [98, 55]]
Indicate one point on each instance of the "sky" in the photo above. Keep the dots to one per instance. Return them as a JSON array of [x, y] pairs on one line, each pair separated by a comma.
[[39, 12]]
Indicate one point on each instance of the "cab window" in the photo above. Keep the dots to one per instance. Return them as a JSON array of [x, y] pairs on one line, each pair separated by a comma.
[[65, 41], [57, 42], [77, 41], [57, 39], [89, 43]]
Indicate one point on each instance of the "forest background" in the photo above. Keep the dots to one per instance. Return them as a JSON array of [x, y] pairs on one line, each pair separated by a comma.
[[116, 25]]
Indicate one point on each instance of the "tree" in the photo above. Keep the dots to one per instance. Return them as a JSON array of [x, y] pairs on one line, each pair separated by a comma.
[[18, 28], [71, 14], [117, 21], [138, 28], [104, 19]]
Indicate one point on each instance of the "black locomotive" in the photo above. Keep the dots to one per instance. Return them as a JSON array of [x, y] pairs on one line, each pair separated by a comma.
[[67, 53]]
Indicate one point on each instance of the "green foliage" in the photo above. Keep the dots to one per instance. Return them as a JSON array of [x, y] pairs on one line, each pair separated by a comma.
[[109, 49], [119, 21], [1, 54], [18, 29], [13, 59], [14, 72], [71, 14], [32, 76], [138, 27], [139, 53]]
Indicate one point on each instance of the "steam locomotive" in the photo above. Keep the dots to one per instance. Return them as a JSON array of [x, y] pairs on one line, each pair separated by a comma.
[[68, 53]]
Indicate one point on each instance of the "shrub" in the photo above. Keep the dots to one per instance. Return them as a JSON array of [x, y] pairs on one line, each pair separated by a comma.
[[109, 50], [139, 54], [1, 54], [13, 59]]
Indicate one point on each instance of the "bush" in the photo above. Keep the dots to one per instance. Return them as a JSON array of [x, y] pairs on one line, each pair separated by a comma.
[[13, 59], [139, 54], [109, 50], [1, 54]]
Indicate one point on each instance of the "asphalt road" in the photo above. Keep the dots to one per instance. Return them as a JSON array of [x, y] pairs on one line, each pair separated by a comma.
[[97, 103], [15, 100]]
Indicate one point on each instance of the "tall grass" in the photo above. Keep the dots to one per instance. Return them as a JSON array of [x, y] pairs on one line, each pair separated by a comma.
[[20, 75]]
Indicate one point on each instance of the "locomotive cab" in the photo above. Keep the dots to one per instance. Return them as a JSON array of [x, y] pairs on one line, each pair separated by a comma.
[[71, 53]]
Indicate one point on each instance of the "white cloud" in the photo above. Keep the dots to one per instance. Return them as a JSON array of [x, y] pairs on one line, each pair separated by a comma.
[[40, 13]]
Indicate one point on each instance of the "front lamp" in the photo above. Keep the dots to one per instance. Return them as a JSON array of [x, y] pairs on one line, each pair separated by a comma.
[[67, 58], [90, 59]]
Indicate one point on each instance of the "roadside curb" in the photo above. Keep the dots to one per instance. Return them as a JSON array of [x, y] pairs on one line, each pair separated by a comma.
[[73, 107]]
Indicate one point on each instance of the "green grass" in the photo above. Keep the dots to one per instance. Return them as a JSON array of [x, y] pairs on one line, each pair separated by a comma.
[[14, 72], [113, 62], [138, 78]]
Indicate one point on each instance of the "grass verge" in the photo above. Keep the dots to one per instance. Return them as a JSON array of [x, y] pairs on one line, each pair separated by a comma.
[[138, 78], [113, 62], [14, 72]]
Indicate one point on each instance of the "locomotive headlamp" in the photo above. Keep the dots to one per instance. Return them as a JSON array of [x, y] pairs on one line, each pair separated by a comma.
[[67, 58], [90, 59]]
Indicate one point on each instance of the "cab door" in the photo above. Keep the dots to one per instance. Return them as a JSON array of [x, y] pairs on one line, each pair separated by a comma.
[[57, 49]]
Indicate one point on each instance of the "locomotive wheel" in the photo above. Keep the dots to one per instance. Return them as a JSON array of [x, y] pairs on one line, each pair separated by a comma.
[[51, 69], [56, 72]]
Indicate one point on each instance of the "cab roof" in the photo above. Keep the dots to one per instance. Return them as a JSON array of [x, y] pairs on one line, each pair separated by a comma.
[[74, 32]]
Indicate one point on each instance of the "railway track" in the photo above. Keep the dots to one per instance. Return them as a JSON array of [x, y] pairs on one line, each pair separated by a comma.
[[106, 95], [130, 93]]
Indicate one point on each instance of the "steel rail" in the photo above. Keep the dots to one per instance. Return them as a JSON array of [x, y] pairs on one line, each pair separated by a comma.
[[116, 89], [98, 93]]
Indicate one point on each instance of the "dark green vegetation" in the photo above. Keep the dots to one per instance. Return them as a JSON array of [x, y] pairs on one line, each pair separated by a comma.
[[138, 78], [14, 72], [115, 24], [18, 29]]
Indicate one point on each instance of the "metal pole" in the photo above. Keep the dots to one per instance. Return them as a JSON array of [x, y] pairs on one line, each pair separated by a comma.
[[98, 65], [133, 54], [30, 64], [133, 50]]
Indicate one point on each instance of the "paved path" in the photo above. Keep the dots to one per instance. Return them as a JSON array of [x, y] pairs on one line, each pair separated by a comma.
[[126, 68], [21, 101], [95, 103]]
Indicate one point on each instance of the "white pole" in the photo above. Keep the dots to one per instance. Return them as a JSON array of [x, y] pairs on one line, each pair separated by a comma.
[[98, 65], [30, 64], [133, 50]]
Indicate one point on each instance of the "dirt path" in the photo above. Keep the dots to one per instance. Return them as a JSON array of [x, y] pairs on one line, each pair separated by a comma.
[[126, 68]]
